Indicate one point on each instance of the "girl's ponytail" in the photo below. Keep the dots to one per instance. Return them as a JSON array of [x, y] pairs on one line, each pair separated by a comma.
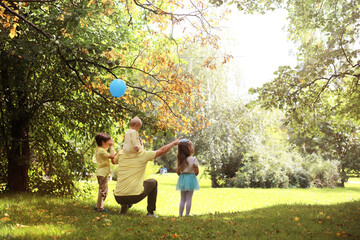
[[183, 154]]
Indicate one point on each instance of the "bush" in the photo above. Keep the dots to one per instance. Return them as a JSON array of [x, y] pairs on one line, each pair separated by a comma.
[[267, 169], [262, 170], [301, 178], [324, 173]]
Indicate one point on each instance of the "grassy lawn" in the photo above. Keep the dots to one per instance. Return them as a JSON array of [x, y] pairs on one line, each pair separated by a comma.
[[216, 213]]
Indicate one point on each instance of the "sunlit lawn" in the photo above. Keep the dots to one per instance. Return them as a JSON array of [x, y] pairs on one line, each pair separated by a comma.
[[217, 213]]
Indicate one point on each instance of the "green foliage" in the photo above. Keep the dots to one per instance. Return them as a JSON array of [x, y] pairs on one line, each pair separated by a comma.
[[287, 168], [250, 6], [333, 139], [84, 190], [323, 173], [168, 160], [55, 69], [321, 94]]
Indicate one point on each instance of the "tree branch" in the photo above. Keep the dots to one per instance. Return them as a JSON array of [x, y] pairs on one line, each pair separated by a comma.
[[25, 20]]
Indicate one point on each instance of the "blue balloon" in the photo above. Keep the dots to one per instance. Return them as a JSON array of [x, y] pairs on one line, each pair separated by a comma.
[[117, 87]]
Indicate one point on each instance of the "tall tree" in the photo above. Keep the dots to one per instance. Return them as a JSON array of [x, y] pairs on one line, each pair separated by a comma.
[[327, 76], [323, 89], [320, 95], [57, 60]]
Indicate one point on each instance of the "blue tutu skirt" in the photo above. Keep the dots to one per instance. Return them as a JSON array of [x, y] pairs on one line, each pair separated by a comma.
[[187, 182]]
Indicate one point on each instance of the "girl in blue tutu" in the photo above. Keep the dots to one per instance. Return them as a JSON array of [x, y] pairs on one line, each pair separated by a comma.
[[187, 169]]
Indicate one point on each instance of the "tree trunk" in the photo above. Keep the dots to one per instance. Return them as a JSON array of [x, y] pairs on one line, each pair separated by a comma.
[[214, 182], [19, 156], [343, 176], [15, 118]]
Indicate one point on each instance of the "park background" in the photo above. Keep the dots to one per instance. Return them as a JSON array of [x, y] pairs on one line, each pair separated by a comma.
[[276, 161]]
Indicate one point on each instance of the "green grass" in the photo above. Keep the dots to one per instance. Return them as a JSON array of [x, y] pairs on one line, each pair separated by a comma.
[[216, 213], [354, 179]]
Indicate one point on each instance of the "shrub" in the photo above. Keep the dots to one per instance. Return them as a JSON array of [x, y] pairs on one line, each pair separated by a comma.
[[324, 173], [267, 169]]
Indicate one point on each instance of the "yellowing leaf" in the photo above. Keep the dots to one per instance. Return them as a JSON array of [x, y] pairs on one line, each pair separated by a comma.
[[12, 32], [5, 219], [91, 2], [297, 219]]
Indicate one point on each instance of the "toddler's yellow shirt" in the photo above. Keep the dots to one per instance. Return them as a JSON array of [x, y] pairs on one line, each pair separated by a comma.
[[131, 141], [131, 172], [102, 159]]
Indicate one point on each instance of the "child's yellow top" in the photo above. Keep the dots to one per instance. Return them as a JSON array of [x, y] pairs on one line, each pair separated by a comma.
[[131, 141], [131, 172], [102, 159]]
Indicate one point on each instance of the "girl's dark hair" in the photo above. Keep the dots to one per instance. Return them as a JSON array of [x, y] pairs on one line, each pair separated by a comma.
[[183, 154], [102, 137]]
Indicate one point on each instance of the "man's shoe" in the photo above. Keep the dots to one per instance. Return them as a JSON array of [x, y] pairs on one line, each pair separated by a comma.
[[152, 215]]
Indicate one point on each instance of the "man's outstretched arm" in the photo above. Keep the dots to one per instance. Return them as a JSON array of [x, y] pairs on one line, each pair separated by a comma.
[[166, 148]]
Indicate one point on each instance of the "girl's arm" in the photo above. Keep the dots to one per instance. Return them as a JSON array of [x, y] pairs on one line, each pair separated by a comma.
[[178, 171], [196, 168]]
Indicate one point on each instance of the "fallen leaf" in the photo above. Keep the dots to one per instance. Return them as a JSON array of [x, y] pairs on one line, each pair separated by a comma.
[[297, 219], [328, 217], [320, 221], [21, 226], [97, 219], [4, 219]]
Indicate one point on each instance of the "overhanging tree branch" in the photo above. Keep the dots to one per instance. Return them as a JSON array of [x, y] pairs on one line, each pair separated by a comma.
[[25, 20]]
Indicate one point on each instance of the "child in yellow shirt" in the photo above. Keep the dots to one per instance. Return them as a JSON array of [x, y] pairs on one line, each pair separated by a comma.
[[102, 156], [132, 143]]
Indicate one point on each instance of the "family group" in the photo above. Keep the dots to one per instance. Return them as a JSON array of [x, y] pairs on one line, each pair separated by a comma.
[[131, 160]]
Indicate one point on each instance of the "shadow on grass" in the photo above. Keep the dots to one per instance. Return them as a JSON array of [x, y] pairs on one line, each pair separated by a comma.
[[354, 189], [38, 217]]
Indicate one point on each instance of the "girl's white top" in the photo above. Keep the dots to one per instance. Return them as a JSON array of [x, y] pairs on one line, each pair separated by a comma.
[[192, 162]]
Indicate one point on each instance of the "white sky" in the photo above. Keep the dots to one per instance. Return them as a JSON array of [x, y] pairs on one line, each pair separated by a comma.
[[259, 46]]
